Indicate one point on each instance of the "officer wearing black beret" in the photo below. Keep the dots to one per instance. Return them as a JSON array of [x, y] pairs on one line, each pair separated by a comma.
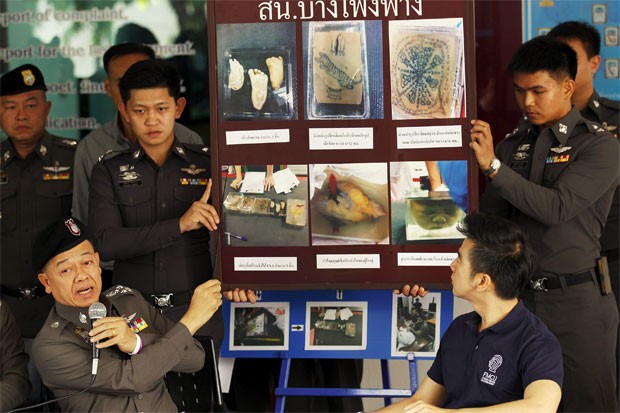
[[36, 180], [137, 344]]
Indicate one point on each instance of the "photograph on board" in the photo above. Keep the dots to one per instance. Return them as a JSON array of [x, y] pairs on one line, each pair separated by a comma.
[[265, 205], [349, 204], [343, 69], [336, 325], [428, 200], [257, 75], [260, 326], [416, 325], [427, 68]]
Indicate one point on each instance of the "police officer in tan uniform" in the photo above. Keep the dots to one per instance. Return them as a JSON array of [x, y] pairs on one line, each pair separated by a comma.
[[137, 344]]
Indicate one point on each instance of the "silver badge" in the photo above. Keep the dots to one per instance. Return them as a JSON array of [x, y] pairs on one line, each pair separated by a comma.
[[136, 154], [180, 150], [524, 147], [205, 149], [119, 289], [519, 156], [83, 319], [560, 149], [6, 156], [192, 170], [55, 324], [123, 168], [129, 176], [70, 142], [563, 128], [56, 168], [596, 104], [43, 150], [129, 318], [609, 127]]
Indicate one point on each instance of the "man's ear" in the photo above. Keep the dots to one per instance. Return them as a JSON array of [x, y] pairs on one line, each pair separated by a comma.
[[568, 88], [45, 281], [595, 63], [123, 111], [107, 87], [180, 105], [483, 281]]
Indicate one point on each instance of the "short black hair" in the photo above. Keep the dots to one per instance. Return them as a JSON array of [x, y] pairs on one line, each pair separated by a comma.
[[149, 74], [582, 31], [544, 53], [123, 49], [501, 250]]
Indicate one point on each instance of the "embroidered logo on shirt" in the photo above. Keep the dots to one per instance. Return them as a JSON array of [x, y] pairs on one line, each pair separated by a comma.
[[490, 377]]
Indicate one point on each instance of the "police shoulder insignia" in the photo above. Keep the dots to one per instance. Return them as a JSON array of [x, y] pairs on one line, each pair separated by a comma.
[[118, 290], [205, 149]]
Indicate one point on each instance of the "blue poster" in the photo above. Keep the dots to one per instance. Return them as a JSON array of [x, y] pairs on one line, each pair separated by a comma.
[[540, 16]]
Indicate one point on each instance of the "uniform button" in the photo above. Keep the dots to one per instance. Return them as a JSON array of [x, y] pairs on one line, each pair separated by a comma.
[[163, 205], [140, 396]]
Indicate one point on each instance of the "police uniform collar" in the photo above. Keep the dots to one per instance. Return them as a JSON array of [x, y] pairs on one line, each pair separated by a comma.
[[8, 153], [79, 315], [594, 103], [564, 127], [179, 149], [44, 148]]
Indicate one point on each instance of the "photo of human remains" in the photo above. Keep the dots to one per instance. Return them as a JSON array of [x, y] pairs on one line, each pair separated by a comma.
[[349, 203], [336, 325], [416, 324], [256, 73], [427, 70], [260, 326], [428, 200]]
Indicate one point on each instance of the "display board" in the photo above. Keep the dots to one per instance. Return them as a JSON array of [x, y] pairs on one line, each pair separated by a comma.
[[337, 324], [341, 131], [541, 16]]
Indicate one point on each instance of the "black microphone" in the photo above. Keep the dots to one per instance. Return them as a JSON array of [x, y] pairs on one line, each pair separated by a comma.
[[95, 312]]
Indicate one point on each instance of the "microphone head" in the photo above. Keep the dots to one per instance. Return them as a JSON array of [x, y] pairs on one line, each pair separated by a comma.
[[96, 311]]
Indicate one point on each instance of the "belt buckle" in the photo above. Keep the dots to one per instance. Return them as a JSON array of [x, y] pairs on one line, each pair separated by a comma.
[[162, 300], [539, 284], [28, 293]]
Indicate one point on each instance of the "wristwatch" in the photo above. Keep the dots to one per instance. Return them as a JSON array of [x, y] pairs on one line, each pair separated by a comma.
[[494, 167]]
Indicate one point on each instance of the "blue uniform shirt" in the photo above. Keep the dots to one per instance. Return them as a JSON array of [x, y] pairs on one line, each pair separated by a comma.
[[495, 365]]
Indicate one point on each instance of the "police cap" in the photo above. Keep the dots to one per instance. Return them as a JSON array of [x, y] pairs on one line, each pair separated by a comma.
[[22, 79], [57, 238]]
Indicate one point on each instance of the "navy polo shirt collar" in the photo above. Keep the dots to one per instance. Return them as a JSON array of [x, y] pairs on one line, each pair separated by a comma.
[[137, 152], [510, 322]]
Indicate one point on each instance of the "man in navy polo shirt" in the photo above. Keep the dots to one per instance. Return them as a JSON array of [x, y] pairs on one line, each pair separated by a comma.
[[501, 356]]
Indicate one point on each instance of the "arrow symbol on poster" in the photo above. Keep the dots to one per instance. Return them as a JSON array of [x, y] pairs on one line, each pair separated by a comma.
[[297, 327]]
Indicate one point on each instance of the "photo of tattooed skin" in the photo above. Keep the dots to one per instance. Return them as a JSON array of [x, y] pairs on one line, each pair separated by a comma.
[[343, 65], [427, 72]]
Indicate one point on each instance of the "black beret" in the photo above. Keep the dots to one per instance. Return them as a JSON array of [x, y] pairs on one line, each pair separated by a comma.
[[57, 238], [22, 79]]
